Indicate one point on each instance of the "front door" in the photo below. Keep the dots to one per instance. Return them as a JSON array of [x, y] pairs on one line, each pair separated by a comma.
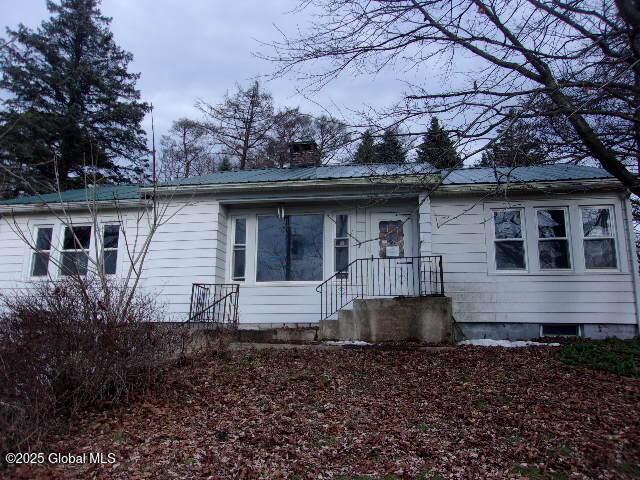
[[395, 271]]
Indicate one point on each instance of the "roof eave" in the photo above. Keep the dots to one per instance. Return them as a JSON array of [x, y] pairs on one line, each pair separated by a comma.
[[583, 185], [75, 205], [293, 184]]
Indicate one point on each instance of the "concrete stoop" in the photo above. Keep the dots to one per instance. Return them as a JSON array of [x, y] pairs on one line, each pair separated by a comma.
[[421, 319]]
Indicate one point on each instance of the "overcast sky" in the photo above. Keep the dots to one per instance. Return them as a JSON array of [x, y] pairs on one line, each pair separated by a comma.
[[193, 49]]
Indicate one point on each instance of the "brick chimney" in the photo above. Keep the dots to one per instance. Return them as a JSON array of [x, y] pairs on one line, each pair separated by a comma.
[[304, 154]]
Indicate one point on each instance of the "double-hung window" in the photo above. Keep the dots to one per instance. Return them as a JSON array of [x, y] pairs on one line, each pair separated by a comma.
[[289, 248], [509, 240], [553, 239], [110, 237], [40, 260], [341, 244], [75, 250], [239, 260], [599, 238]]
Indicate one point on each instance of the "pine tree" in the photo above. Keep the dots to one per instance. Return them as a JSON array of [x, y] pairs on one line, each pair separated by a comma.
[[366, 152], [519, 145], [225, 165], [390, 149], [437, 149], [70, 98]]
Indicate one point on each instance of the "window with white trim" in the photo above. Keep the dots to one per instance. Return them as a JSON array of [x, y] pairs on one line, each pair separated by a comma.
[[74, 259], [553, 239], [341, 244], [238, 264], [290, 248], [509, 244], [599, 240], [110, 237], [40, 258]]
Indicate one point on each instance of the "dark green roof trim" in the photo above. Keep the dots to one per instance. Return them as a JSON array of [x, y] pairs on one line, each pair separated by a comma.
[[101, 193]]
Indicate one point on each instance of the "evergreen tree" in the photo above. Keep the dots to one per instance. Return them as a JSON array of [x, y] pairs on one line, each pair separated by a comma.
[[519, 145], [390, 149], [366, 152], [70, 100], [225, 165], [437, 149]]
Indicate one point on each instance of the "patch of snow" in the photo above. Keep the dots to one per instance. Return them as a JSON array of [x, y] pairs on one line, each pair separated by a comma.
[[487, 342], [346, 342]]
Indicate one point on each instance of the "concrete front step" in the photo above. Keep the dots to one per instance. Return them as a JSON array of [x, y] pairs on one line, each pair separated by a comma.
[[422, 319], [278, 335]]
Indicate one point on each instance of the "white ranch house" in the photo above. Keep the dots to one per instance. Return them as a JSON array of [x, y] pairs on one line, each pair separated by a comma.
[[521, 252]]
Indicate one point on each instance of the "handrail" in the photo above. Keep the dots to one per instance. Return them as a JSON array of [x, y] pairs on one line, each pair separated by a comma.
[[381, 277], [215, 302]]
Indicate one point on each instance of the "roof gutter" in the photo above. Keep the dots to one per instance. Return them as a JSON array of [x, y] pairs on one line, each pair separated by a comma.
[[534, 187], [295, 184], [73, 206]]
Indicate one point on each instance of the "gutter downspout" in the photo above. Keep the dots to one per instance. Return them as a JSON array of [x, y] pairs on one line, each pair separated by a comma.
[[633, 254]]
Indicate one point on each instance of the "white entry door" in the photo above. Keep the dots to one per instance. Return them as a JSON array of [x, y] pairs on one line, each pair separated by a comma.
[[394, 271]]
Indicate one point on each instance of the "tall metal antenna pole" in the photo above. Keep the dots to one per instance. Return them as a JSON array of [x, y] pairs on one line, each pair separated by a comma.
[[153, 167]]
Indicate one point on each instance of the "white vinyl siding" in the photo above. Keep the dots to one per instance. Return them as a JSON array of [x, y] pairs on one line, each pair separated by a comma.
[[463, 235]]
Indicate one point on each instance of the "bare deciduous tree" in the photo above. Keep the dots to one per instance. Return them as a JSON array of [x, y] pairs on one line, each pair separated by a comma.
[[573, 66], [241, 123], [186, 151]]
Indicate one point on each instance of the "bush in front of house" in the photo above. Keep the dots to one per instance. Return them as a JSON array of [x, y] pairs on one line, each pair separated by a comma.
[[69, 345], [621, 357]]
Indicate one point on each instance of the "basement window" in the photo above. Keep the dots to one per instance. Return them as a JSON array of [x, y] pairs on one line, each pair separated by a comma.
[[560, 330]]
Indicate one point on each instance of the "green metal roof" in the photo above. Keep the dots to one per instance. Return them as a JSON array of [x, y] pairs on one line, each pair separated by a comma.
[[466, 176], [99, 193]]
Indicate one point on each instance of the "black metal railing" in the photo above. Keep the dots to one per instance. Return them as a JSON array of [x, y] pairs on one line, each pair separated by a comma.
[[216, 303], [381, 277]]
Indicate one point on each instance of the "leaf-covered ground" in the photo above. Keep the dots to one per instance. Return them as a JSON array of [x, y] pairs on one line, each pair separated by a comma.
[[465, 413]]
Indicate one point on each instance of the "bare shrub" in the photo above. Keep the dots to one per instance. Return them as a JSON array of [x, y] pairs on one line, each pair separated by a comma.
[[66, 345]]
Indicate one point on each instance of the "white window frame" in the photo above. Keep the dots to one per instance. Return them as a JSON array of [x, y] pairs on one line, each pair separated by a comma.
[[33, 253], [235, 245], [110, 249], [257, 247], [613, 236], [567, 238], [61, 250], [336, 238], [523, 239]]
